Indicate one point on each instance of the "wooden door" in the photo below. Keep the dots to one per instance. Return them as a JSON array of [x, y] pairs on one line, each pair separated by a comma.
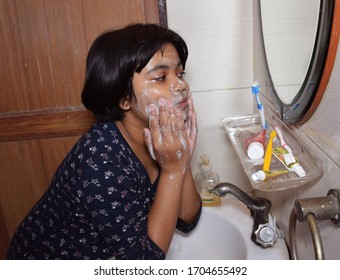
[[43, 49]]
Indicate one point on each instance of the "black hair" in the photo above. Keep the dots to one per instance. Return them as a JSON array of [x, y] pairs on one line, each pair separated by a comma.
[[113, 59]]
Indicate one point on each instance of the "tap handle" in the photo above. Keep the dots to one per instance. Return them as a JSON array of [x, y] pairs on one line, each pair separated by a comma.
[[335, 194], [267, 233], [323, 208]]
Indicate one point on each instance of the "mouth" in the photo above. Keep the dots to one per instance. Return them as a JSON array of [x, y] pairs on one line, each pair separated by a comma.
[[182, 104]]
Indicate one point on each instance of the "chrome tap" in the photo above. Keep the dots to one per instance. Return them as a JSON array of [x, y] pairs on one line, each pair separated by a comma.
[[264, 231]]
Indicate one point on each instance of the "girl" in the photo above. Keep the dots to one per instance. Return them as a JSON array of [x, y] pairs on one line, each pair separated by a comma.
[[125, 185]]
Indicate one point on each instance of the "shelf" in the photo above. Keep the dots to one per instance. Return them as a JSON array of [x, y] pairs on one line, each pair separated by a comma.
[[242, 127]]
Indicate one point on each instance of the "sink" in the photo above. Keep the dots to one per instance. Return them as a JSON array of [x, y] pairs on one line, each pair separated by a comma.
[[223, 233]]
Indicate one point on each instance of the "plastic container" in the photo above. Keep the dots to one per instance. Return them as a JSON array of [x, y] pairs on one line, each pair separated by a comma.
[[241, 129], [205, 180]]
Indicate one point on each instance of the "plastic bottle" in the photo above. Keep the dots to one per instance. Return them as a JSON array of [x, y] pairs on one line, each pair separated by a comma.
[[205, 180], [255, 145]]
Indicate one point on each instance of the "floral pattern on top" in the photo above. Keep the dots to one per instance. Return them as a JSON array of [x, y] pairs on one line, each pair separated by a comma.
[[96, 206]]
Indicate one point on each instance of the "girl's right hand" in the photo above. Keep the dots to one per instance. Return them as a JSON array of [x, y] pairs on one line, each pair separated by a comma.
[[167, 137]]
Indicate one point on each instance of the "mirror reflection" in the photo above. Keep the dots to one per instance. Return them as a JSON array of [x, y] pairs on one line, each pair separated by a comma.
[[289, 32], [296, 40]]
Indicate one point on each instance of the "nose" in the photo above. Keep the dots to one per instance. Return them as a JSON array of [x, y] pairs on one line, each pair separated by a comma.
[[178, 86]]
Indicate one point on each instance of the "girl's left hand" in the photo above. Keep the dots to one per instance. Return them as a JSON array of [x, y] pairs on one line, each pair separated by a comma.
[[191, 126], [170, 141]]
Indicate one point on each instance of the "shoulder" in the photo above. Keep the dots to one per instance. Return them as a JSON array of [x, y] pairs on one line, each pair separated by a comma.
[[104, 144], [102, 132], [103, 136]]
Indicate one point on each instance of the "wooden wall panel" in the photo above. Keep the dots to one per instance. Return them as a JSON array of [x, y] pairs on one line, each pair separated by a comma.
[[43, 49], [4, 240], [46, 124], [129, 11], [27, 168], [53, 157], [54, 45], [14, 85], [4, 237], [22, 179], [45, 43]]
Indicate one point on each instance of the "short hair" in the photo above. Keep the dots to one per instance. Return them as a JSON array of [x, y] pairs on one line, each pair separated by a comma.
[[113, 59]]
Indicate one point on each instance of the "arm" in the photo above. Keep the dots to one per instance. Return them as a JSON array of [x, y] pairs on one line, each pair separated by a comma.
[[165, 209], [176, 194], [191, 200], [170, 204]]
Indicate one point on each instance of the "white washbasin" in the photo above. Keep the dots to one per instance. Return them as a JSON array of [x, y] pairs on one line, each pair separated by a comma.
[[223, 233]]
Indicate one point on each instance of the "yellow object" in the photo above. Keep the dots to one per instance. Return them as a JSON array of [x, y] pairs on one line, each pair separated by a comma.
[[268, 154], [210, 199], [264, 175], [205, 180]]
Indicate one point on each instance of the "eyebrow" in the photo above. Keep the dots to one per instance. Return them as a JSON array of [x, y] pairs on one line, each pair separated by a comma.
[[162, 66]]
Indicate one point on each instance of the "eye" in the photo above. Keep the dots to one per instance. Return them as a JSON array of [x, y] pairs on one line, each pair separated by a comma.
[[181, 74], [159, 78]]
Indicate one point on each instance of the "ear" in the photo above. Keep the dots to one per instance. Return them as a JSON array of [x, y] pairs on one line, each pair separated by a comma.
[[125, 104]]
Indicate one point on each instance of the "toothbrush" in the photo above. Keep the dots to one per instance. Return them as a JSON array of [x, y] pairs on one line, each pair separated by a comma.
[[289, 158], [256, 90], [268, 154]]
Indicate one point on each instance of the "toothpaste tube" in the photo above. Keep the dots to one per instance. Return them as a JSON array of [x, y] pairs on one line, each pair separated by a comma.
[[288, 157], [281, 154], [264, 175]]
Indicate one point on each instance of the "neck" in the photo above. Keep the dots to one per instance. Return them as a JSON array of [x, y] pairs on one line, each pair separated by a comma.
[[133, 133]]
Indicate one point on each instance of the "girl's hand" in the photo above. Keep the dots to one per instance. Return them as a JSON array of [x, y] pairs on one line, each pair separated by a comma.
[[191, 126], [167, 137]]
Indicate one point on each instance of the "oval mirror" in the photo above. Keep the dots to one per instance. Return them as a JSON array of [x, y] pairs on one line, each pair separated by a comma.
[[296, 38]]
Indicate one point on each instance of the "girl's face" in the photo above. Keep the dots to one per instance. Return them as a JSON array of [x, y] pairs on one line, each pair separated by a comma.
[[161, 80]]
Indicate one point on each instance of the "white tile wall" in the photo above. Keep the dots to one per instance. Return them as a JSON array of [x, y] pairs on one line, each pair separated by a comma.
[[219, 71], [223, 62]]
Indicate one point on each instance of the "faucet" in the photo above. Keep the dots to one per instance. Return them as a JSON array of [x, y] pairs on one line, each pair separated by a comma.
[[264, 231], [310, 210]]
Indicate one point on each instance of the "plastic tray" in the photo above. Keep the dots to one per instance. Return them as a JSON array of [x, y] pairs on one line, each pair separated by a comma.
[[241, 127]]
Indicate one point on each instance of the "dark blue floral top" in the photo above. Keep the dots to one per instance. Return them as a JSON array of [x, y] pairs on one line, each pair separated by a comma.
[[96, 206]]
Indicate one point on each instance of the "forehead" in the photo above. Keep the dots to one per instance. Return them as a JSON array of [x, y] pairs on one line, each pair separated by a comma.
[[167, 54]]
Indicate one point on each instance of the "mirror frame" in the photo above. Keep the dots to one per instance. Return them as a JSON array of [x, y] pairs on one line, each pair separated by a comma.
[[163, 17], [313, 87]]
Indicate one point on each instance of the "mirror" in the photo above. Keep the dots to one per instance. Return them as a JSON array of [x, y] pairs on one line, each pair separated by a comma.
[[289, 30], [296, 40]]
